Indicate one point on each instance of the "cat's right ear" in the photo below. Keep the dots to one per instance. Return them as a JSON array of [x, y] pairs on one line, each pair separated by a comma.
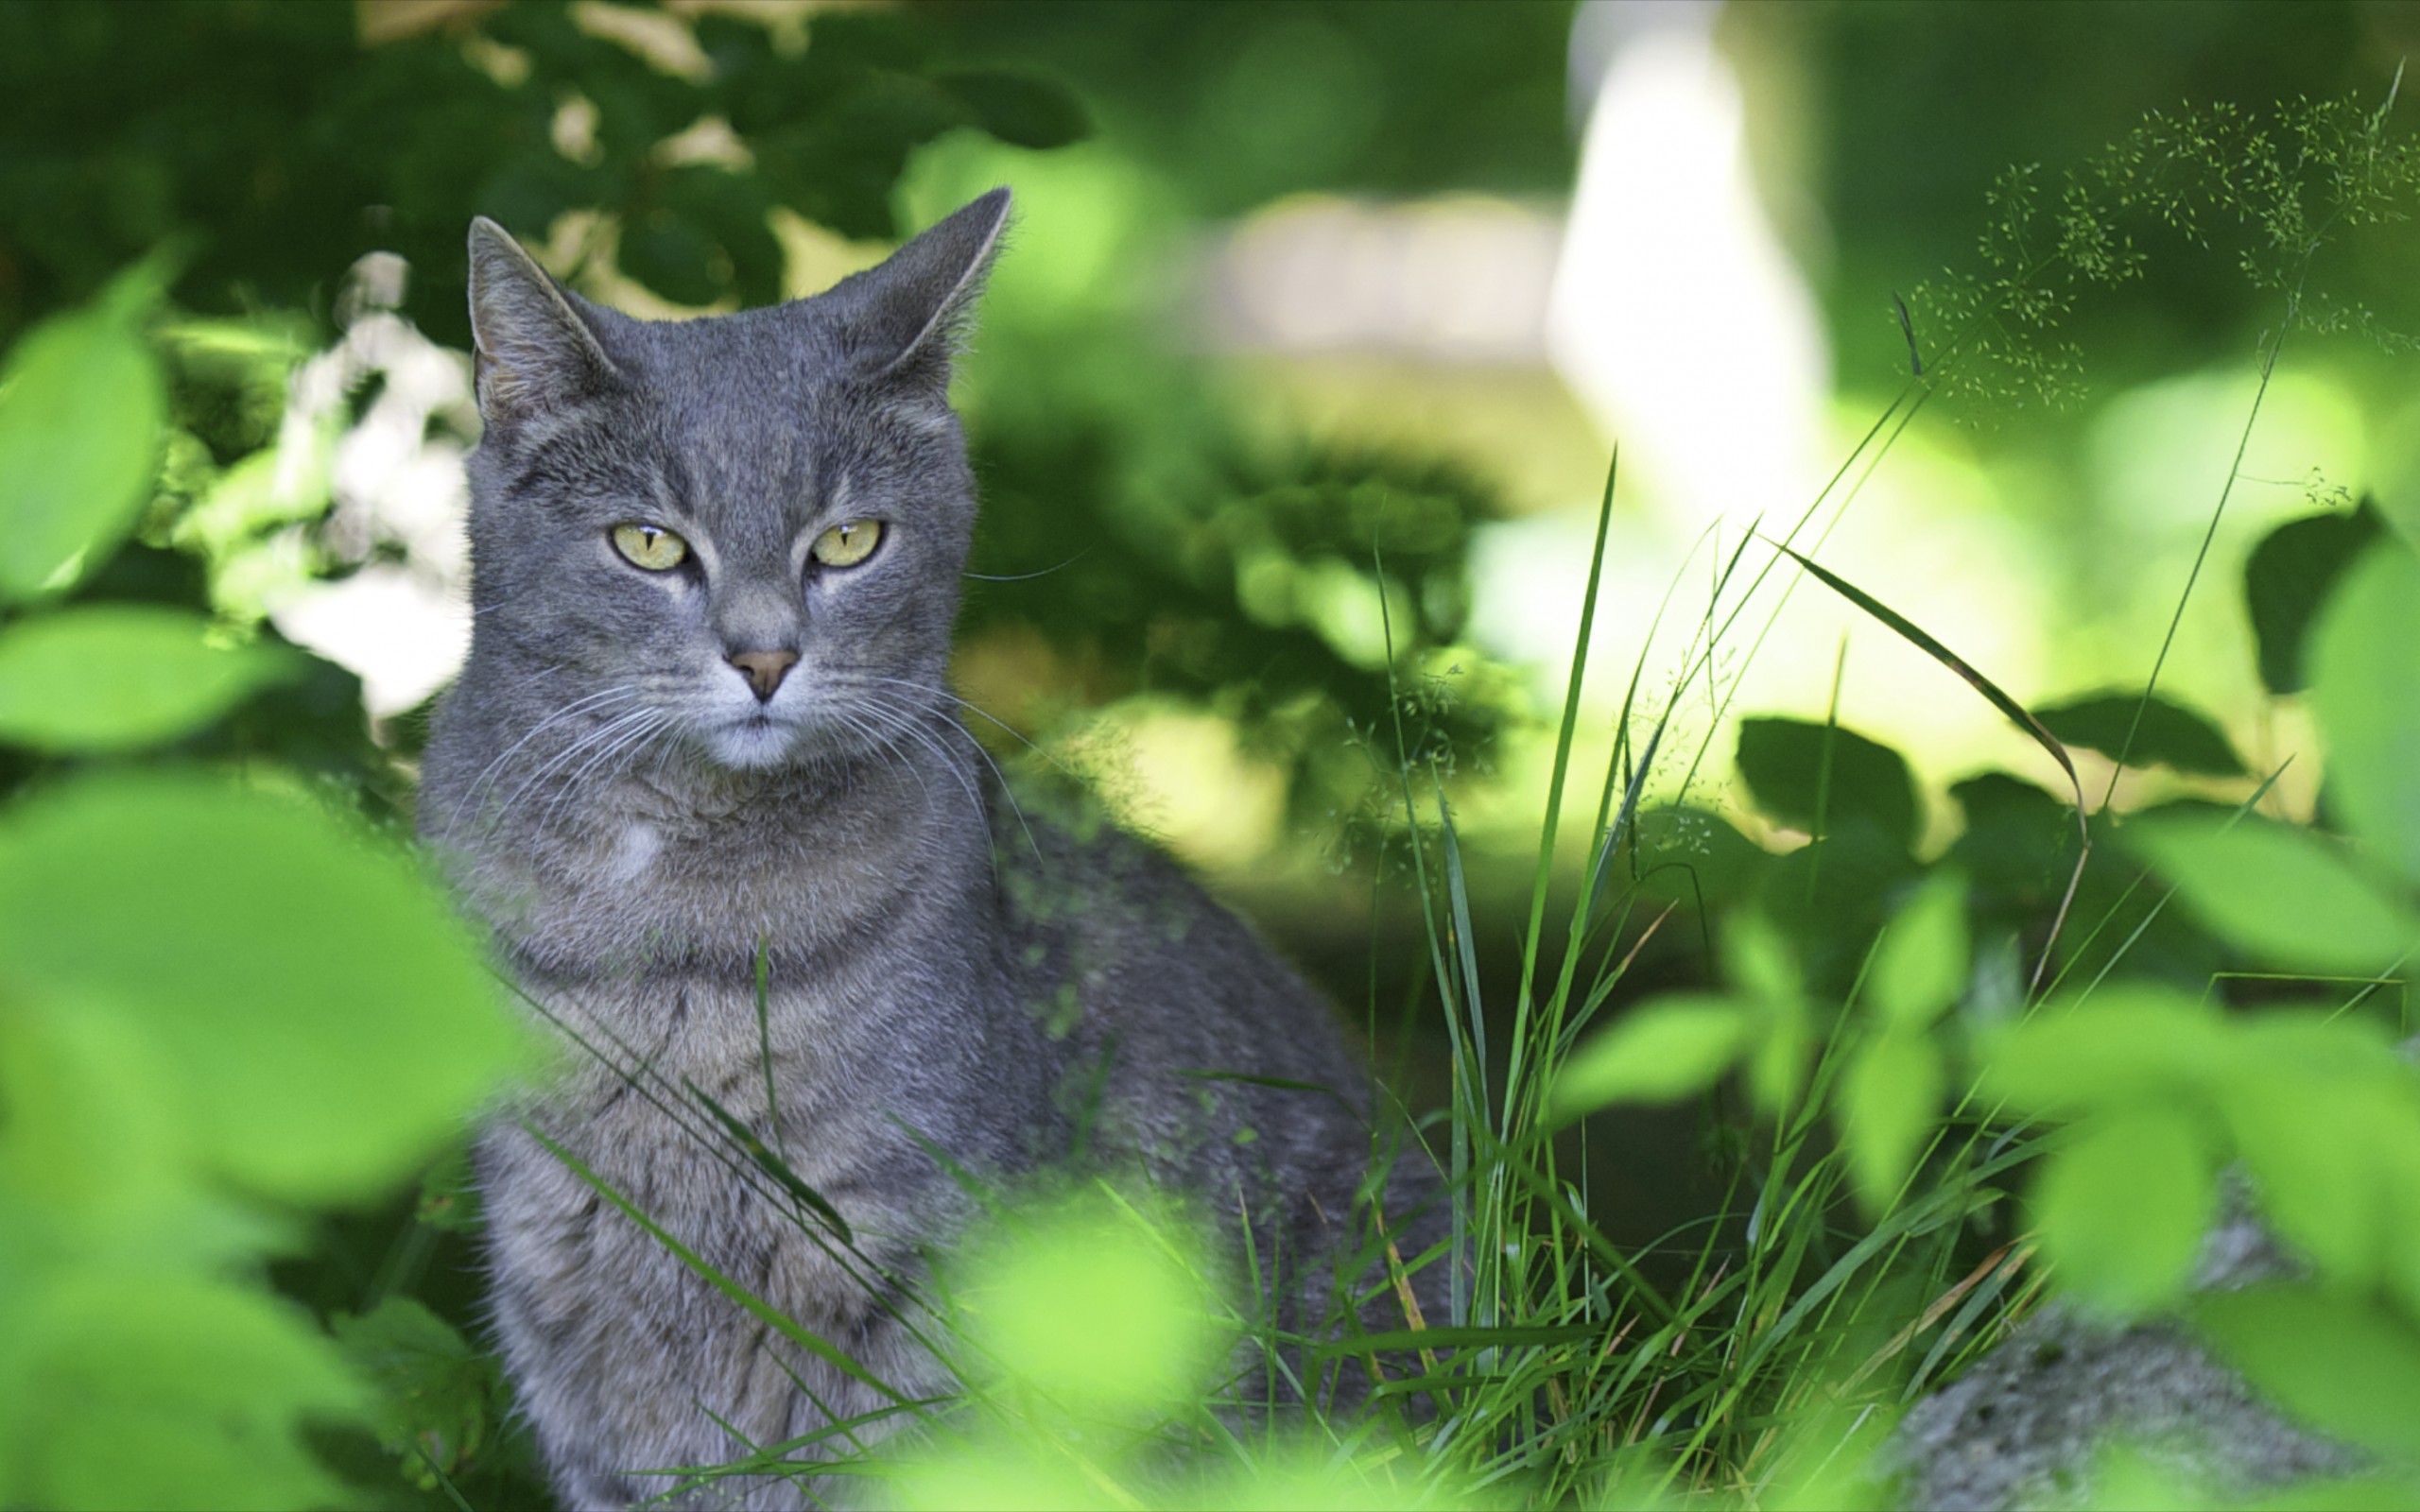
[[536, 354]]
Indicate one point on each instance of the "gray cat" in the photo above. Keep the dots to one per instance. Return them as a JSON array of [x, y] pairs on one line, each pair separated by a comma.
[[706, 728]]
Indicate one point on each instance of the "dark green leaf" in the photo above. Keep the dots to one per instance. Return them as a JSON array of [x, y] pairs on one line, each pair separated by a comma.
[[1019, 109], [1822, 779], [113, 677], [438, 1395], [674, 258], [2282, 895], [2169, 735], [2290, 574]]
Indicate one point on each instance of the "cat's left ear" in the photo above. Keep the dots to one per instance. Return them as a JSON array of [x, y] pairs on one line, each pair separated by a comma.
[[904, 321]]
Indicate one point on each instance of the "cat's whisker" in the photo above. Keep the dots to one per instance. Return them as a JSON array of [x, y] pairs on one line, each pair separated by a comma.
[[588, 741], [999, 778], [632, 741], [593, 701]]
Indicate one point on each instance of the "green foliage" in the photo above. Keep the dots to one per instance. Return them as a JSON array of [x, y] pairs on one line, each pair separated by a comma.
[[434, 1394], [120, 676], [1825, 779], [2360, 660], [289, 146], [82, 403], [216, 1002], [2144, 731], [2290, 575]]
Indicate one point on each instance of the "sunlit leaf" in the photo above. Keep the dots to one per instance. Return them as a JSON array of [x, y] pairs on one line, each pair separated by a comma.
[[2121, 1045], [2122, 1209], [1822, 779], [1091, 1309], [2290, 574], [118, 677], [81, 404], [2283, 895], [2325, 1116], [1658, 1053], [329, 1020], [2168, 734], [158, 1390], [2331, 1358], [1891, 1099], [2361, 662], [1921, 963]]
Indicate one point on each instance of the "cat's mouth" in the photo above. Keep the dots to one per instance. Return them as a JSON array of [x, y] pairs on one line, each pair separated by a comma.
[[753, 741]]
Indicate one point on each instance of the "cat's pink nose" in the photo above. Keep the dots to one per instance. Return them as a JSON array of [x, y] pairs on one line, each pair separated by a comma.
[[765, 669]]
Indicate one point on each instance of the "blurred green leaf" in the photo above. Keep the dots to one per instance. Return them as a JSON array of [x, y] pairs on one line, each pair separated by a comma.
[[82, 406], [1092, 1309], [2169, 735], [1921, 965], [2325, 1116], [1019, 109], [2333, 1357], [2127, 1043], [1891, 1099], [1659, 1053], [328, 1019], [118, 677], [437, 1395], [1822, 779], [157, 1390], [2362, 655], [2122, 1209], [2282, 895], [2290, 574]]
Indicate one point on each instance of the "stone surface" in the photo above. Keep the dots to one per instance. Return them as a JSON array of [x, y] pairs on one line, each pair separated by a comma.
[[2024, 1425]]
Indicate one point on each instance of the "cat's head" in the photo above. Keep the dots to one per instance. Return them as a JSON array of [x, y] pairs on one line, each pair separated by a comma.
[[749, 527]]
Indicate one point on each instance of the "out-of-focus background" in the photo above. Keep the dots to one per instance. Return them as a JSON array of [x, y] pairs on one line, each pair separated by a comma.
[[1296, 390]]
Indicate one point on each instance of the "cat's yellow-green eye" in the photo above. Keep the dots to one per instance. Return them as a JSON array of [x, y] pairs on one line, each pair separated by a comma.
[[651, 548], [847, 543]]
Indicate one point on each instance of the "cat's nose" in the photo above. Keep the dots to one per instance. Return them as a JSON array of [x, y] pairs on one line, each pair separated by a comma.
[[763, 669]]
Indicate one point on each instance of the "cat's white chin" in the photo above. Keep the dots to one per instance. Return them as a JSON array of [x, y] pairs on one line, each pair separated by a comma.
[[752, 744]]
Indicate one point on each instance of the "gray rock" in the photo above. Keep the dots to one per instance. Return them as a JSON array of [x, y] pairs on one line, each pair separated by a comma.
[[2023, 1426]]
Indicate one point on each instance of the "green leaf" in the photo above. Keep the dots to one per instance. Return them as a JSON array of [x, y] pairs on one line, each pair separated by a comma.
[[1822, 779], [2324, 1113], [1661, 1052], [2121, 1211], [2122, 1045], [2330, 1358], [2290, 574], [2282, 895], [437, 1395], [158, 1390], [119, 676], [672, 257], [1020, 109], [329, 1021], [1892, 1101], [2169, 735], [81, 404], [2362, 660], [1921, 965]]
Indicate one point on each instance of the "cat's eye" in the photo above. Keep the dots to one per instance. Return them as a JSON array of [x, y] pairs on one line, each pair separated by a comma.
[[651, 548], [847, 543]]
